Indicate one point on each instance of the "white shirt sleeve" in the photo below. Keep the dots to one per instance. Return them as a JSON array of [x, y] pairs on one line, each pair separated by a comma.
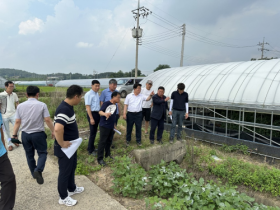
[[126, 101], [171, 105], [187, 107]]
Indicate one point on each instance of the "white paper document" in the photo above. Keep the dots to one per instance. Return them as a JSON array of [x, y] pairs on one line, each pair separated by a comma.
[[117, 131], [69, 152], [170, 117]]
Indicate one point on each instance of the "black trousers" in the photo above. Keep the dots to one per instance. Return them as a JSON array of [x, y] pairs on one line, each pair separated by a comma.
[[156, 124], [8, 184], [93, 131], [31, 142], [66, 176], [131, 119], [116, 122], [105, 142]]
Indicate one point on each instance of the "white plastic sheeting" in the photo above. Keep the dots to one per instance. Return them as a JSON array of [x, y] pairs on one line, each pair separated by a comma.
[[2, 82], [104, 83], [37, 83], [255, 83]]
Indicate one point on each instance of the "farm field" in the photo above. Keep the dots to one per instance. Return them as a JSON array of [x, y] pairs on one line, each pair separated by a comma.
[[240, 180]]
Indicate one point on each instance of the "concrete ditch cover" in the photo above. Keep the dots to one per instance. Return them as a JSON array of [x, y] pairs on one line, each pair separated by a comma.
[[152, 156]]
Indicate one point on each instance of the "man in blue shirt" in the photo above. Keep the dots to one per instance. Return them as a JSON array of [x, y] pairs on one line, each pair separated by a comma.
[[7, 176], [106, 96], [106, 126], [93, 106]]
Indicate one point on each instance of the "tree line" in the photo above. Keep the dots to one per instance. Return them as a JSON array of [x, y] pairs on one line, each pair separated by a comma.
[[18, 75]]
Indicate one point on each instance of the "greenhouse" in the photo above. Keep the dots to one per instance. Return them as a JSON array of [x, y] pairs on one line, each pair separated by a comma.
[[235, 100], [2, 82]]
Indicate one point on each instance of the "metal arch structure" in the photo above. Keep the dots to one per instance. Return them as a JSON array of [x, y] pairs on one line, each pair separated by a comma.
[[245, 87], [237, 84]]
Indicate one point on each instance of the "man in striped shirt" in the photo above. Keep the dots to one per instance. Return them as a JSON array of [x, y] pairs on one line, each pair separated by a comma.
[[66, 130]]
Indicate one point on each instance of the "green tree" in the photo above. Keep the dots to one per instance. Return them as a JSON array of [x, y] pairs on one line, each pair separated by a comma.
[[139, 73], [161, 66]]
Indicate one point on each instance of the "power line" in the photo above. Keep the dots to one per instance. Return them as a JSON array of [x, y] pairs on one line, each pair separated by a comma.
[[180, 21], [159, 38]]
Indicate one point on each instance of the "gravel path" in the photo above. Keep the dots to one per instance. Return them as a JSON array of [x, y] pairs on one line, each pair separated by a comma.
[[32, 196]]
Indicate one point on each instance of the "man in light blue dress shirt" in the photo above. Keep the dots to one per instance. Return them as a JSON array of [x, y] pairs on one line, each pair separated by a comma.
[[7, 176], [106, 96], [93, 106]]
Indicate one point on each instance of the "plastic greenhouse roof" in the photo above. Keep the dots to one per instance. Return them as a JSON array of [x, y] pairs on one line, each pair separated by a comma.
[[254, 83]]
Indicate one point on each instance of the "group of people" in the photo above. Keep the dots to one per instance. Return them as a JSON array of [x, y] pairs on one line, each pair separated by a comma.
[[102, 111]]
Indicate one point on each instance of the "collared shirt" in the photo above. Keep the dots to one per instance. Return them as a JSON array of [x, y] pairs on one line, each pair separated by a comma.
[[134, 102], [92, 100], [2, 148], [106, 96], [11, 100], [145, 92], [32, 113]]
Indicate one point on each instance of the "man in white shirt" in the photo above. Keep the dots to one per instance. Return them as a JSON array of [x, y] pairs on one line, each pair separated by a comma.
[[132, 112], [9, 116], [146, 106]]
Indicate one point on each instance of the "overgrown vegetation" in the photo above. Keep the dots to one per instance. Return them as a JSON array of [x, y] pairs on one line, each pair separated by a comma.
[[171, 187]]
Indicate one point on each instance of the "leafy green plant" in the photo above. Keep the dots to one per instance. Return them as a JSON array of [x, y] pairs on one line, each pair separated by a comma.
[[129, 179], [165, 179], [233, 148], [82, 168]]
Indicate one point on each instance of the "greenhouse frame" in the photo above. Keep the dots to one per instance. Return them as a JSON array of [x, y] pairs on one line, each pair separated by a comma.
[[223, 96]]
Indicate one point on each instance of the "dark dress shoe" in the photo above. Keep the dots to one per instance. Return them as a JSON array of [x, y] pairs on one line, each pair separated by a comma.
[[102, 163], [38, 176]]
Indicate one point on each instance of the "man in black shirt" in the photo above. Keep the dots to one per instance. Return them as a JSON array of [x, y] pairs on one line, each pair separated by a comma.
[[106, 126], [66, 130], [179, 103]]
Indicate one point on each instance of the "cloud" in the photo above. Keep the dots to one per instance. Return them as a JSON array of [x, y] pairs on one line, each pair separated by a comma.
[[84, 45], [31, 26]]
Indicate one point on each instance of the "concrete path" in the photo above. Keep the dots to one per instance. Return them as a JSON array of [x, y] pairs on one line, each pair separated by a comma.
[[32, 196]]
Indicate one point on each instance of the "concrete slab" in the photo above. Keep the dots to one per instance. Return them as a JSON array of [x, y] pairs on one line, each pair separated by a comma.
[[153, 155]]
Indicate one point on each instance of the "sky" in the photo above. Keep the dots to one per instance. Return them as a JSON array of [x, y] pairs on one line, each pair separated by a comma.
[[83, 36]]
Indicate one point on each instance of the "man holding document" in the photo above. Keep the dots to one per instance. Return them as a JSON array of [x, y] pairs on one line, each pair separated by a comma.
[[66, 130], [107, 124]]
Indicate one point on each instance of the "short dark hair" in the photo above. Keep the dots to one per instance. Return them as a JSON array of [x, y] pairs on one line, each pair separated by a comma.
[[136, 85], [32, 90], [74, 90], [114, 94], [181, 86], [113, 81], [161, 88], [7, 83], [93, 82]]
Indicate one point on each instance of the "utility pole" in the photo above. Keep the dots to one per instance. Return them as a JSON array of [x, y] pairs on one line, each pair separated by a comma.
[[137, 32], [183, 43], [137, 41], [262, 47]]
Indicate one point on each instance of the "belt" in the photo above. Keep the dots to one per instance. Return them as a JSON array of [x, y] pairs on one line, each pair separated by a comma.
[[94, 111], [134, 112]]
